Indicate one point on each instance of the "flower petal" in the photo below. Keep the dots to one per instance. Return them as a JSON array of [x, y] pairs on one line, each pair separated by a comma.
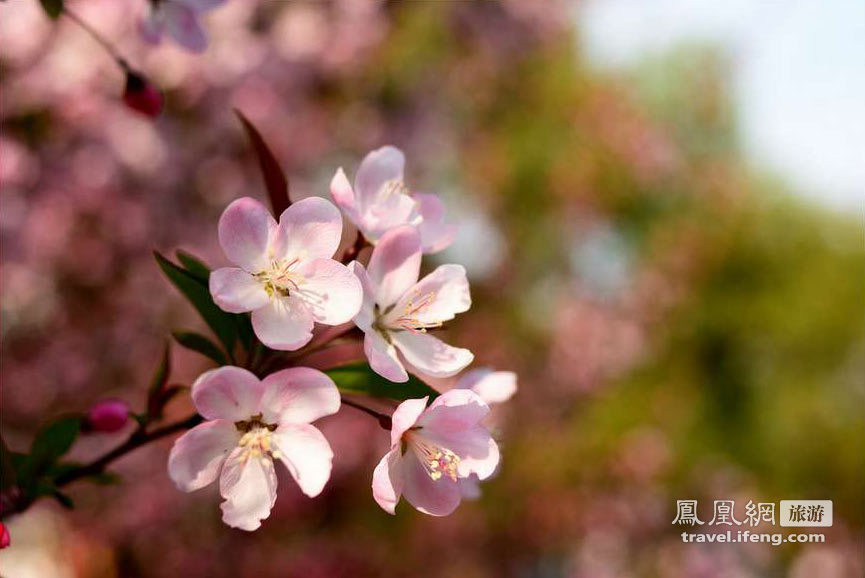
[[285, 323], [307, 455], [404, 417], [383, 358], [434, 497], [456, 410], [228, 392], [436, 298], [491, 386], [376, 169], [476, 448], [395, 264], [245, 229], [389, 211], [151, 25], [330, 290], [430, 355], [197, 455], [387, 480], [237, 291], [298, 395], [248, 485], [470, 487], [181, 23], [343, 194], [365, 315], [308, 229], [434, 233]]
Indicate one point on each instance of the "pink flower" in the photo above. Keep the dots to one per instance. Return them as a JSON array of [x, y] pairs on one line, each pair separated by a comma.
[[285, 275], [398, 309], [178, 19], [491, 386], [5, 540], [141, 96], [107, 416], [250, 424], [433, 451], [381, 201]]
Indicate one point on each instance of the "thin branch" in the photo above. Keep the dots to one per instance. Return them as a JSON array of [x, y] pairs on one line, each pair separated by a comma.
[[136, 440], [384, 420], [97, 36]]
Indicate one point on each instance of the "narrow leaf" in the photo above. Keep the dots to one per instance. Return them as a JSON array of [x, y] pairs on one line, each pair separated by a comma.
[[360, 379], [52, 7], [200, 344], [193, 264], [50, 444], [158, 382], [196, 291], [274, 177], [7, 468]]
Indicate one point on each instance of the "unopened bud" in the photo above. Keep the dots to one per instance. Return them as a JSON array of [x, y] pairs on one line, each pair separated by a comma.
[[107, 416], [4, 536], [142, 96]]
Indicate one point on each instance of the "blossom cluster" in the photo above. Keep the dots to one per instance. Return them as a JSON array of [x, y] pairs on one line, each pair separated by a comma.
[[286, 277]]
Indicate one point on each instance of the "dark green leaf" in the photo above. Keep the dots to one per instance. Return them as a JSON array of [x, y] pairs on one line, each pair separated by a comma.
[[360, 379], [50, 444], [64, 500], [158, 382], [200, 344], [52, 7], [7, 467], [193, 264], [274, 177], [223, 324]]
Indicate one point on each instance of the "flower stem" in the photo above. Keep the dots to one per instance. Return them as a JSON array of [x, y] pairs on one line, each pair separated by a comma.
[[136, 440], [99, 38], [384, 420]]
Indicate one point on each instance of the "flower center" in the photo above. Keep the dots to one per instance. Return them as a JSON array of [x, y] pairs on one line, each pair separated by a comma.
[[280, 279], [437, 461], [393, 187], [256, 438], [409, 319]]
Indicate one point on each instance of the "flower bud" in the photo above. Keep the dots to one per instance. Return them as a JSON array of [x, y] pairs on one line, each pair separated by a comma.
[[142, 96], [4, 536], [107, 416]]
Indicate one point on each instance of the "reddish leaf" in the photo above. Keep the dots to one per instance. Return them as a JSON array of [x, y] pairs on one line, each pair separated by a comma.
[[274, 178]]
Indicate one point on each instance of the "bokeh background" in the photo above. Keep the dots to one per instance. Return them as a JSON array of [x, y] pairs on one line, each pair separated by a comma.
[[682, 324]]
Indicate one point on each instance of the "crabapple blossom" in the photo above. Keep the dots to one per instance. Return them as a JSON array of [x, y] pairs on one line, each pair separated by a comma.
[[433, 451], [381, 201], [107, 416], [141, 96], [398, 309], [492, 386], [179, 20], [250, 424], [285, 274]]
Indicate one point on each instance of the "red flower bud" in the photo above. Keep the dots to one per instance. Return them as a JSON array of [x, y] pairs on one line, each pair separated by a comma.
[[142, 96], [4, 536], [107, 416]]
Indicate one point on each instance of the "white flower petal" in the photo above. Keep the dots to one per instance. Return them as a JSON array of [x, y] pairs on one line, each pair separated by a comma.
[[230, 393], [430, 355], [306, 454], [298, 395], [236, 291], [197, 455], [248, 485], [285, 323]]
